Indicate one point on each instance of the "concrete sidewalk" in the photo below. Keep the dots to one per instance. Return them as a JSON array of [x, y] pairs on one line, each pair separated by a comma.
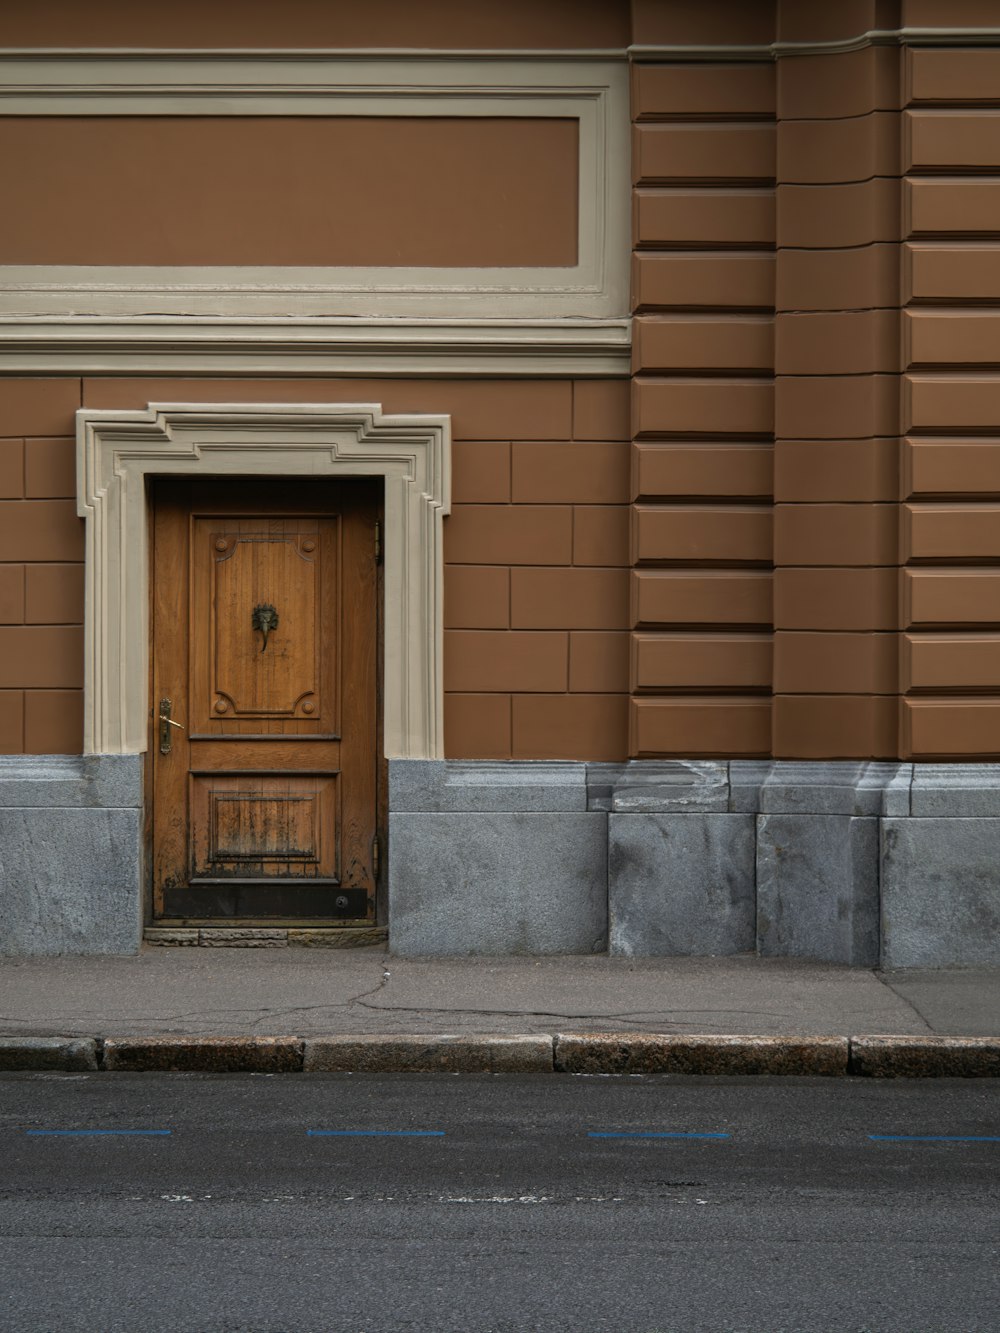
[[365, 992], [364, 1001]]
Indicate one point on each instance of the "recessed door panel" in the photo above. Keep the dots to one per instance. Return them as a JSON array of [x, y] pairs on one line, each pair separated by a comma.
[[264, 635], [264, 825]]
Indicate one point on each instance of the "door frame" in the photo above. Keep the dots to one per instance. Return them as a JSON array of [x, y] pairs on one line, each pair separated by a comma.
[[378, 757], [118, 450]]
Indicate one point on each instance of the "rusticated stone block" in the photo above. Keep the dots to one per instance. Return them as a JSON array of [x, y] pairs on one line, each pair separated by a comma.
[[183, 936]]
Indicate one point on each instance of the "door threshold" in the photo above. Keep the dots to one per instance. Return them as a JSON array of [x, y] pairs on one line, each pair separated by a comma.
[[265, 937]]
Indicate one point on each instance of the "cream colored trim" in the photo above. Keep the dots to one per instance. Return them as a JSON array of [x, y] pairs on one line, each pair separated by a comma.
[[118, 450], [345, 53], [772, 50], [591, 91], [204, 346]]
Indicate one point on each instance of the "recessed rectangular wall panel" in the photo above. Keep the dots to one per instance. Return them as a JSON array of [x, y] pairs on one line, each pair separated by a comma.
[[272, 190]]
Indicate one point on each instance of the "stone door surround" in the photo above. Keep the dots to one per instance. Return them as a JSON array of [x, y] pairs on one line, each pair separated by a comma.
[[118, 450]]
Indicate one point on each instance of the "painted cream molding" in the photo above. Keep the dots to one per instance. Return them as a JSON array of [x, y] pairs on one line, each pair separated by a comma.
[[165, 344], [118, 450], [593, 92]]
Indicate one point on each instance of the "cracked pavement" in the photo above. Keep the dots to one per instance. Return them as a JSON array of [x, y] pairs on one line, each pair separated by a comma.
[[308, 992]]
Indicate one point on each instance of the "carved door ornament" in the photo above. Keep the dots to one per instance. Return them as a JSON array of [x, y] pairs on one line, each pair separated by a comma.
[[265, 619]]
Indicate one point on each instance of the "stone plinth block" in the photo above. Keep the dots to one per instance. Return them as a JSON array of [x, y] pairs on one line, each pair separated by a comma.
[[492, 883], [817, 888], [827, 787], [670, 786], [436, 786], [70, 881], [940, 892], [680, 884], [428, 1055], [950, 790], [108, 781]]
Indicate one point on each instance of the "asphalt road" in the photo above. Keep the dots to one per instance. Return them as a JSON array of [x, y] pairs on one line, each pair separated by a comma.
[[374, 1204]]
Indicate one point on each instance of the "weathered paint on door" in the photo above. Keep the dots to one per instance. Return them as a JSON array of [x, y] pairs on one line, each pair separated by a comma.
[[264, 685]]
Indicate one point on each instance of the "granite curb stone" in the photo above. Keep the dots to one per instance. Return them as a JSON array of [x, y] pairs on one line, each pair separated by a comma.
[[628, 1053], [66, 1054], [215, 1055], [925, 1057], [443, 1054], [599, 1053]]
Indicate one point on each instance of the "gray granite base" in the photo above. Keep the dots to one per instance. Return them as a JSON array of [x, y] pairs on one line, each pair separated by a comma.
[[850, 862], [817, 888], [680, 884], [70, 855], [494, 883], [940, 891]]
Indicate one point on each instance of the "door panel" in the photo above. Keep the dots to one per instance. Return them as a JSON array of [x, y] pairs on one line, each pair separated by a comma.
[[264, 638], [265, 565]]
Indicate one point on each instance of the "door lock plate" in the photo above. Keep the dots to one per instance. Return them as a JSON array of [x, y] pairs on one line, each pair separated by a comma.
[[166, 722]]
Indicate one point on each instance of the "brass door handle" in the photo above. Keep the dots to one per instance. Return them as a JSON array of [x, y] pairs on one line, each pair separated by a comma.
[[166, 722]]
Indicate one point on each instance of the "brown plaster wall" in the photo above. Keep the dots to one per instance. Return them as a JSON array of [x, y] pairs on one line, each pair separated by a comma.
[[316, 24], [703, 395], [41, 569], [950, 453], [837, 361], [536, 552], [423, 190]]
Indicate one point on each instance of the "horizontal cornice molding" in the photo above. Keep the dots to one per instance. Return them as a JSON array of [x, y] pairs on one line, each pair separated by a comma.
[[445, 348], [322, 52], [774, 50], [56, 82]]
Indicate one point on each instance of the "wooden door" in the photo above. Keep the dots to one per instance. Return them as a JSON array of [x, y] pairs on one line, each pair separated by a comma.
[[264, 668]]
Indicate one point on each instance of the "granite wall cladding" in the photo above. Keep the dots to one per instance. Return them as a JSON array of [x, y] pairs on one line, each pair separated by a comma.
[[860, 863], [855, 863], [70, 855]]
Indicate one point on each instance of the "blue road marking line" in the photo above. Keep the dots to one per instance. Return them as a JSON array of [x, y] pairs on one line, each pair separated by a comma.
[[652, 1134], [375, 1133], [94, 1133], [935, 1138]]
